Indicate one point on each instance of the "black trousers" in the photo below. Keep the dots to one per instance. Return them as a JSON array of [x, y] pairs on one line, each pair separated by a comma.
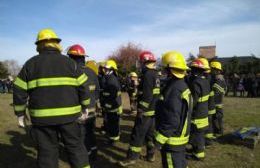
[[197, 140], [173, 159], [89, 138], [143, 132], [47, 139], [112, 125], [209, 132], [218, 121]]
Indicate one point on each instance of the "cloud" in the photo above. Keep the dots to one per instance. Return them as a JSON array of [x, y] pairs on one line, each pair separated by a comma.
[[230, 40], [196, 16], [233, 25], [186, 28]]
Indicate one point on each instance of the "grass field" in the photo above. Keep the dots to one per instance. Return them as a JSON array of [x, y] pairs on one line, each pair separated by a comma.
[[17, 149]]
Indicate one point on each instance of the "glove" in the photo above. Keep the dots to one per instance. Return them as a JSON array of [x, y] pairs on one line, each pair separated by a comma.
[[21, 121], [84, 116]]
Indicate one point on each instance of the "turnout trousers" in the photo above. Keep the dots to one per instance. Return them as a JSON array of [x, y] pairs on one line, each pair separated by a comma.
[[143, 132], [89, 138], [112, 125], [209, 132], [173, 159], [218, 121], [197, 141], [47, 139]]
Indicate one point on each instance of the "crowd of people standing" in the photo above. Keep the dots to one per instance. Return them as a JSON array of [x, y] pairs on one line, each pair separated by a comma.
[[62, 94], [243, 85], [6, 85]]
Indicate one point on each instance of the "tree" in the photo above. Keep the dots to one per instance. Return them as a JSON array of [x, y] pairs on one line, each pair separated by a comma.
[[256, 66], [3, 70], [234, 65], [126, 57], [12, 67]]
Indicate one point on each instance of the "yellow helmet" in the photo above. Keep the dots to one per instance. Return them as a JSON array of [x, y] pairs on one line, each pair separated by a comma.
[[133, 74], [47, 34], [178, 73], [216, 65], [110, 64], [176, 61], [92, 65]]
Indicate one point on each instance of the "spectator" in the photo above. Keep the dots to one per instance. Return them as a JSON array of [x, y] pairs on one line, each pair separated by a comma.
[[254, 87], [1, 86], [241, 87]]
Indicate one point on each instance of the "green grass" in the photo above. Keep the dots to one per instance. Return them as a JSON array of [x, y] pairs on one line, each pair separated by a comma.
[[17, 148]]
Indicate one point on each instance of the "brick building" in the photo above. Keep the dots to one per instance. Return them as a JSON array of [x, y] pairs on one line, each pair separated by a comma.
[[208, 52]]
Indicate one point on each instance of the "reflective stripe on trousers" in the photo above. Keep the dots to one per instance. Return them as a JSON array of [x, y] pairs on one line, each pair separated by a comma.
[[201, 123], [169, 160], [136, 149]]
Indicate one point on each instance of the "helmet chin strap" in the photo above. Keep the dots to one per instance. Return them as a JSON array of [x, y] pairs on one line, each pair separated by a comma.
[[150, 65]]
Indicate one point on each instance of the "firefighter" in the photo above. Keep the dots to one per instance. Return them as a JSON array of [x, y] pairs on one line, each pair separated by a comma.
[[55, 90], [132, 91], [93, 66], [211, 105], [200, 91], [173, 112], [148, 92], [101, 79], [78, 54], [112, 102], [219, 87]]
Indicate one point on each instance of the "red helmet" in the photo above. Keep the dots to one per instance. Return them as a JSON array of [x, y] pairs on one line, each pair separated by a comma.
[[76, 50], [147, 56], [197, 64]]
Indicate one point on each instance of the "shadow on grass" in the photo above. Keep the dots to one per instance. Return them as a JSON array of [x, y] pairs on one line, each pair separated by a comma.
[[249, 142], [19, 153], [127, 117], [109, 155], [126, 131], [226, 139]]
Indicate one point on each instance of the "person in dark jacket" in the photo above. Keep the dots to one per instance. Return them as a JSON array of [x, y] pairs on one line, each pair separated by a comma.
[[112, 102], [200, 90], [219, 87], [77, 53], [173, 112], [1, 86], [148, 92], [209, 136], [211, 106], [132, 89], [101, 80], [54, 89]]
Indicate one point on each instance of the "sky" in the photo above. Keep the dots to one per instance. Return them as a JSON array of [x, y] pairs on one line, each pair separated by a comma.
[[101, 26]]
